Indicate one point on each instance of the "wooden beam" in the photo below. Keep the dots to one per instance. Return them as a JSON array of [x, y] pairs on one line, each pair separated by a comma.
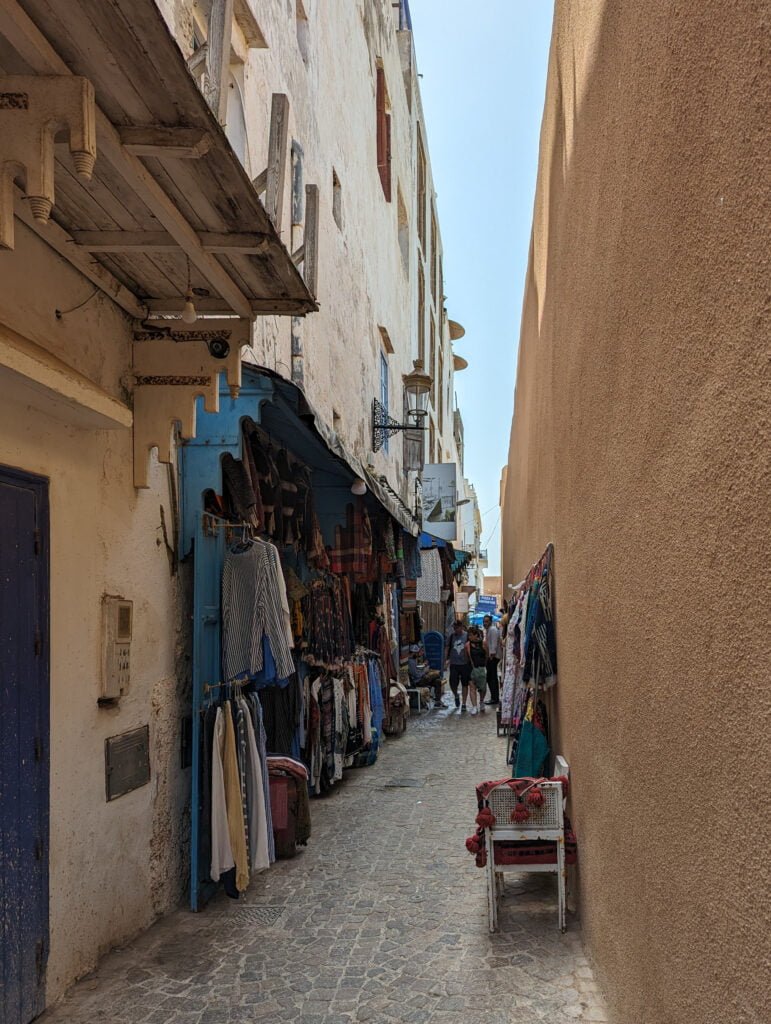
[[234, 244], [126, 241], [58, 239], [224, 243], [298, 255], [278, 152], [311, 239], [180, 143], [260, 182], [218, 56], [197, 58], [212, 304], [35, 49]]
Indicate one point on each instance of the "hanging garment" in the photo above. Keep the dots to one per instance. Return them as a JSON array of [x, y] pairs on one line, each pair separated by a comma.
[[281, 710], [239, 723], [206, 768], [221, 850], [236, 824], [259, 852], [532, 751], [429, 586], [262, 750], [413, 566], [269, 484], [252, 606], [375, 696], [251, 468], [238, 491]]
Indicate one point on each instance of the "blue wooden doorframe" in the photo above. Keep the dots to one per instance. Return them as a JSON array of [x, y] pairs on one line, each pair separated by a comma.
[[24, 744]]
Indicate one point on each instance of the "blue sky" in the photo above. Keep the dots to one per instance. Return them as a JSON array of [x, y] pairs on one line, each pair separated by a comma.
[[484, 76]]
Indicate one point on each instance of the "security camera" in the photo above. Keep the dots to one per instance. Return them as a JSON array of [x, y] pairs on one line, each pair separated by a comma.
[[219, 348]]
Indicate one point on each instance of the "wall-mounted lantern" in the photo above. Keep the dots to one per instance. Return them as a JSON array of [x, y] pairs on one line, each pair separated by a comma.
[[417, 387]]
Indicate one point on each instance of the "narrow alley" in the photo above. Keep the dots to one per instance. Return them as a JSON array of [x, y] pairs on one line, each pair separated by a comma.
[[381, 918]]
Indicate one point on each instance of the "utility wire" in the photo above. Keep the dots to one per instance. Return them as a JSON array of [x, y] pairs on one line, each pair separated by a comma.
[[492, 531]]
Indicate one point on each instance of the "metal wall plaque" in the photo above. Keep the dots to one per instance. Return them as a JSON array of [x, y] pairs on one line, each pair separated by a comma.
[[127, 762]]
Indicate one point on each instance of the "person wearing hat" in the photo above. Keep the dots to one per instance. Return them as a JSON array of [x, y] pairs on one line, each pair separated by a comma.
[[422, 675]]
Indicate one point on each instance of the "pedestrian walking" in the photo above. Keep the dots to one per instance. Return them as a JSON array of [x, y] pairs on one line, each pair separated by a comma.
[[460, 663], [478, 659], [493, 652]]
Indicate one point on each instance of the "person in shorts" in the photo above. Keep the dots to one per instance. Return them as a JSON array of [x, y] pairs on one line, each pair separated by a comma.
[[460, 663], [478, 659]]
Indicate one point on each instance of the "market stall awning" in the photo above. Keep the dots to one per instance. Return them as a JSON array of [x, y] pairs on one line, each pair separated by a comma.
[[291, 409], [166, 197]]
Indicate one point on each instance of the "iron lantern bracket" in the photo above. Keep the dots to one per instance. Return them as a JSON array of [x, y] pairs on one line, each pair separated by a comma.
[[384, 426]]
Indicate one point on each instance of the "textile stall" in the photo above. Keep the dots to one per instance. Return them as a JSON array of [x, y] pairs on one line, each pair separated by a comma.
[[529, 669], [295, 630]]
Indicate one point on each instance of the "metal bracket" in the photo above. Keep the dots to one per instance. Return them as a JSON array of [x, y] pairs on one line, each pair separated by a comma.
[[384, 426]]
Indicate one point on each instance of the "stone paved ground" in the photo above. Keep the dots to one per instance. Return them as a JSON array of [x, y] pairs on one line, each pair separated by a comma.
[[381, 919]]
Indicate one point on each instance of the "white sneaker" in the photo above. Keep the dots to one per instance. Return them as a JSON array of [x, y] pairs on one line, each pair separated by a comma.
[[473, 710], [481, 707]]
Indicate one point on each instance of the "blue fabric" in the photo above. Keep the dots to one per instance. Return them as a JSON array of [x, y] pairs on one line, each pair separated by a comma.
[[427, 541], [268, 675], [433, 644], [375, 696], [532, 751]]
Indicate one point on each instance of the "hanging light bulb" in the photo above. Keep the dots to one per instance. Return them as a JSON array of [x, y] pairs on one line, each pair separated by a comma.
[[189, 314], [358, 487]]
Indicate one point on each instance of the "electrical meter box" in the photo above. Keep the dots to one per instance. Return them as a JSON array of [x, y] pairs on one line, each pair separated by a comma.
[[117, 616]]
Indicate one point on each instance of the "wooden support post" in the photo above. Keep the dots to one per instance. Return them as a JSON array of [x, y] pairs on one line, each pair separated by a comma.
[[218, 56], [311, 239], [278, 149]]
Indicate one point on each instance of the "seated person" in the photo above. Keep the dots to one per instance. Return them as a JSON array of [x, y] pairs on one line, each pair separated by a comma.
[[422, 675]]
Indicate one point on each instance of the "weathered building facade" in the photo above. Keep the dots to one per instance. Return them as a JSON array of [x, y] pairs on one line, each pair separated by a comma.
[[258, 163], [639, 447]]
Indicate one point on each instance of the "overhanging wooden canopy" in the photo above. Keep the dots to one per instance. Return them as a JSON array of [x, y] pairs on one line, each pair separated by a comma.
[[167, 192]]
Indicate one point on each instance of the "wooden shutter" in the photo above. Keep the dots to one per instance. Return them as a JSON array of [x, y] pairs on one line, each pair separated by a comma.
[[383, 136]]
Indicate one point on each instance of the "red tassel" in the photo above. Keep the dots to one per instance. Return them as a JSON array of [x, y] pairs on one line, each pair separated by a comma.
[[481, 860], [472, 844], [520, 813], [535, 797], [485, 818]]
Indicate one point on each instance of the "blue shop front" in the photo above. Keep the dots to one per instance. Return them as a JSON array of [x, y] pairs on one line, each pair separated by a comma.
[[298, 562]]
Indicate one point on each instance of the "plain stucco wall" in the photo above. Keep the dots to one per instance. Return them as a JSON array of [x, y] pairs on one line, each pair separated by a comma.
[[113, 866], [640, 447]]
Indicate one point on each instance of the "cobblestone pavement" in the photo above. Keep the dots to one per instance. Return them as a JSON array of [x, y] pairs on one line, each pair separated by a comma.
[[381, 919]]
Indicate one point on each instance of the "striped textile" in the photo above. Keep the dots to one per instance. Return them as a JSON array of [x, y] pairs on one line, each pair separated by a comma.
[[252, 607]]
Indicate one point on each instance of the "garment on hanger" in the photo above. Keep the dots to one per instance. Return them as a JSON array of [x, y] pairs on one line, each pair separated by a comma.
[[429, 585], [253, 606], [259, 852], [221, 849], [235, 814]]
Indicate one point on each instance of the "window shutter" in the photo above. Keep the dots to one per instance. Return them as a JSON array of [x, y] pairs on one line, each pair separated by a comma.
[[383, 136], [387, 178]]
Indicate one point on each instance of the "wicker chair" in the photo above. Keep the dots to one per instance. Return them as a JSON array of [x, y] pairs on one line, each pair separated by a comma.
[[546, 822]]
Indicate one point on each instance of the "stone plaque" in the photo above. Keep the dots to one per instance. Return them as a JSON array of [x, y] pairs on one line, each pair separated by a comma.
[[127, 762]]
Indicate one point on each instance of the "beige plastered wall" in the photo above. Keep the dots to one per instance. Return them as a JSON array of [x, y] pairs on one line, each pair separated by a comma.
[[640, 447], [113, 866], [364, 283]]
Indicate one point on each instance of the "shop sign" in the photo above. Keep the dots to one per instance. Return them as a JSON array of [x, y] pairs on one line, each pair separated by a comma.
[[440, 500]]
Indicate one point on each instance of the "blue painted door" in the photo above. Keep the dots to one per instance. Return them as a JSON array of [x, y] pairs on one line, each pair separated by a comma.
[[209, 556], [23, 745]]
